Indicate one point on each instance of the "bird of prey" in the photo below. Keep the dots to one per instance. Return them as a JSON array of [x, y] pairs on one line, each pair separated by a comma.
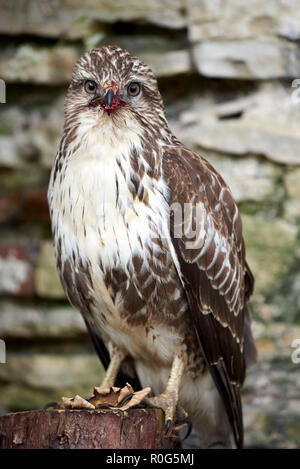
[[149, 248]]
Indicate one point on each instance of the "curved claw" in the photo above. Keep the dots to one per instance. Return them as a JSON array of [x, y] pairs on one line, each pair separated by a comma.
[[50, 405], [126, 399], [189, 429], [168, 426]]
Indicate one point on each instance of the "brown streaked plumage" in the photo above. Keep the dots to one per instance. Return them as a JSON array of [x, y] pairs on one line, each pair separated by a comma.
[[149, 247], [216, 292]]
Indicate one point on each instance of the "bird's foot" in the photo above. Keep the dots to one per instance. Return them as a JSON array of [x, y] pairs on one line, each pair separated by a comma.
[[167, 401]]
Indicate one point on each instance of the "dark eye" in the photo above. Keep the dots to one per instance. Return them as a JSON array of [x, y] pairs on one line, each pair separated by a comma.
[[90, 86], [134, 89]]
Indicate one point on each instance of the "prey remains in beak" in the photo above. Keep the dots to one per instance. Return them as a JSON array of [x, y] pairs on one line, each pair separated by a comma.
[[110, 100]]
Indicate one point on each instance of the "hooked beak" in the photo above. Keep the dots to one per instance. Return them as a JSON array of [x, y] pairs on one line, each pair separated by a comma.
[[108, 99]]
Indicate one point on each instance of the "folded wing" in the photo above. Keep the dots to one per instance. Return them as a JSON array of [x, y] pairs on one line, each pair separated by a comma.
[[206, 231]]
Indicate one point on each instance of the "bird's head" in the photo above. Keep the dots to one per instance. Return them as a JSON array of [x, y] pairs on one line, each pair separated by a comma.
[[110, 84]]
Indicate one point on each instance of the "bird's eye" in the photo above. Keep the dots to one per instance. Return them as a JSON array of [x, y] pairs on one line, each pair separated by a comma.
[[90, 86], [134, 89]]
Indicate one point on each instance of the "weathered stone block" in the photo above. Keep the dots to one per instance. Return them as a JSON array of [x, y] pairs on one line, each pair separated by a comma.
[[31, 133], [292, 185], [169, 63], [32, 64], [234, 19], [29, 206], [38, 321], [31, 380], [16, 269], [52, 371], [270, 248], [12, 143], [245, 39], [247, 59], [54, 65], [267, 124], [46, 276], [271, 391], [73, 19]]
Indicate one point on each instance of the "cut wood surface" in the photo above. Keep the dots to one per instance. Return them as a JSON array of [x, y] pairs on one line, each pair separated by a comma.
[[85, 429]]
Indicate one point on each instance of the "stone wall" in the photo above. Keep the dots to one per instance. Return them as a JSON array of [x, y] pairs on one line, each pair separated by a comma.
[[226, 70]]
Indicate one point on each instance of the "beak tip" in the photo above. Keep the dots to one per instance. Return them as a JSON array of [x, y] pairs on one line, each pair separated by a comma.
[[109, 97]]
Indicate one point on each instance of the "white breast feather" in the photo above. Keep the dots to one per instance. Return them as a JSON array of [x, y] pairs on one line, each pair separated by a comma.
[[95, 229]]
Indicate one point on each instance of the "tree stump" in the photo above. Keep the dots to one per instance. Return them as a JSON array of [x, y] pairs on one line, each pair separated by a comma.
[[85, 429]]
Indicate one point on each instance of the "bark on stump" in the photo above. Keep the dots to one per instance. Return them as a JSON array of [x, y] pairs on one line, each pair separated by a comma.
[[85, 429]]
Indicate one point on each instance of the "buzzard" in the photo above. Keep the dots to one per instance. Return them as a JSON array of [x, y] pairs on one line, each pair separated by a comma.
[[149, 248]]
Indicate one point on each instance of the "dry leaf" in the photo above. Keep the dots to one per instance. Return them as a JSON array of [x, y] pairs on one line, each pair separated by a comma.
[[107, 397], [101, 391], [76, 402], [136, 399], [126, 391], [102, 398]]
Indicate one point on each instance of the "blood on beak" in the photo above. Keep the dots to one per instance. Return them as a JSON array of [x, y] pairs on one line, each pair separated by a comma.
[[110, 100]]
